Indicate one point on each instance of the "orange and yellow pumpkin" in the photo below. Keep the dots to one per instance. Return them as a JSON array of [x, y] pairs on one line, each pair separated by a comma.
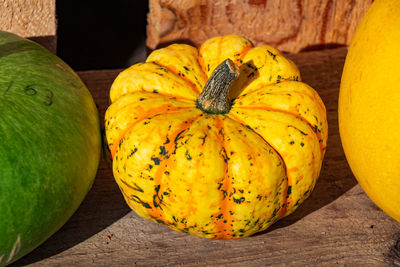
[[223, 162]]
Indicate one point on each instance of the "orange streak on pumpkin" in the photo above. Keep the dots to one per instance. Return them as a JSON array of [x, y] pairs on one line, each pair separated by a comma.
[[156, 212], [294, 169], [203, 66], [224, 229], [145, 115]]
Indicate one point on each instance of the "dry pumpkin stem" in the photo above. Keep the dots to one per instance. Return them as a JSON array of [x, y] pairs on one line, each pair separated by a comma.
[[214, 97]]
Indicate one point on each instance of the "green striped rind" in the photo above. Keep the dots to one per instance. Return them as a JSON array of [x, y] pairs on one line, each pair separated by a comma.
[[50, 145]]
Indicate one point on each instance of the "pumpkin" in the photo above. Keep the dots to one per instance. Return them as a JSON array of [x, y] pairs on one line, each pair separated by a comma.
[[369, 103], [50, 145], [220, 142]]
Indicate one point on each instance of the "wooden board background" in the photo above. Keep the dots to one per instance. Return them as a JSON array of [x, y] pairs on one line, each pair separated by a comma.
[[35, 19], [289, 25], [337, 225]]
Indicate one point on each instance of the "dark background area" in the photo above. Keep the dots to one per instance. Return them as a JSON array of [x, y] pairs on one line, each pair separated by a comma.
[[101, 34]]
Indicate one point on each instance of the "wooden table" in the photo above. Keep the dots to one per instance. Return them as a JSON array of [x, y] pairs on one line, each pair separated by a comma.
[[337, 225]]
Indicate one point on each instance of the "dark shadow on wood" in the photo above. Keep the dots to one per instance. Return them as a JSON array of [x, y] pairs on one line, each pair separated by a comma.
[[318, 47]]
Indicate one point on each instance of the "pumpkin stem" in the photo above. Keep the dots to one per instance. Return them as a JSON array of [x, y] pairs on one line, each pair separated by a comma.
[[215, 96]]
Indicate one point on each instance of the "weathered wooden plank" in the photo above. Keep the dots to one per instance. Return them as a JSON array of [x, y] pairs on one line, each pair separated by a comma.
[[34, 19], [288, 25], [337, 225]]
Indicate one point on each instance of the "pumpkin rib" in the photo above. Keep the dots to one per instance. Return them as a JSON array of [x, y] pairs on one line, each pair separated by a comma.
[[150, 71], [314, 96], [295, 172], [313, 115], [162, 168], [204, 76], [260, 63], [162, 93], [283, 209], [177, 73], [132, 106], [166, 136], [260, 86], [149, 114], [236, 56], [278, 92], [198, 76], [188, 147], [316, 132]]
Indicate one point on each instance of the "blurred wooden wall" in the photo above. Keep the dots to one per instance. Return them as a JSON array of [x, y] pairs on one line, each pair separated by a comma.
[[289, 25]]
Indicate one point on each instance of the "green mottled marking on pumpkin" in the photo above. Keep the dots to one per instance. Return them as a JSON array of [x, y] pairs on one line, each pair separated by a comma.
[[272, 55], [305, 193], [133, 151], [157, 199], [156, 160], [203, 139], [224, 193], [239, 200], [167, 141], [303, 133], [139, 201], [134, 186], [289, 191], [163, 151], [187, 155], [146, 205], [219, 185]]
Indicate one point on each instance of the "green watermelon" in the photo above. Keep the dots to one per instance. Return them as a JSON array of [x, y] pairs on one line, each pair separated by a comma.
[[50, 145]]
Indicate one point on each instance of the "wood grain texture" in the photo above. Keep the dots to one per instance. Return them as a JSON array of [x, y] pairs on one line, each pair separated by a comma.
[[288, 25], [34, 19], [337, 225]]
